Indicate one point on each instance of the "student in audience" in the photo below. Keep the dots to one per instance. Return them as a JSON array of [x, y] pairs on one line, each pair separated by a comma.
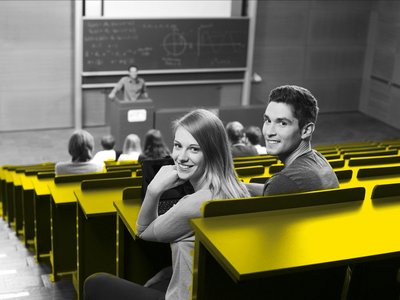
[[154, 146], [134, 86], [235, 131], [80, 148], [131, 149], [289, 122], [254, 137], [202, 156], [108, 152]]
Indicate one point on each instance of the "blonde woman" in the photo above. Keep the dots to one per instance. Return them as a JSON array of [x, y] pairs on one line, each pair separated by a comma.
[[202, 156]]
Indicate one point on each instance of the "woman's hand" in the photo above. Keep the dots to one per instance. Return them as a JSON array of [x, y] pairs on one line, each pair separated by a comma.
[[165, 179]]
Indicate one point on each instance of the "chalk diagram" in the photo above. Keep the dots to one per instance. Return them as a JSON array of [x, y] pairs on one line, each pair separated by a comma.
[[174, 43], [216, 42]]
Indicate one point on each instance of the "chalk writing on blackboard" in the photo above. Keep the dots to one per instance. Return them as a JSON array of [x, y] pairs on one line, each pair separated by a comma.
[[110, 45]]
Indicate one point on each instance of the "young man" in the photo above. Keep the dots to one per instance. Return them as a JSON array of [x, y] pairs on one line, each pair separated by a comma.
[[134, 87], [289, 122]]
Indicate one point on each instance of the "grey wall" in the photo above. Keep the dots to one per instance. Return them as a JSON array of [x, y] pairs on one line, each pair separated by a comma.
[[316, 44], [381, 89], [36, 64]]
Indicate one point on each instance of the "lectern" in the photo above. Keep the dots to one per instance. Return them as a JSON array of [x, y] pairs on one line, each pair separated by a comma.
[[128, 117]]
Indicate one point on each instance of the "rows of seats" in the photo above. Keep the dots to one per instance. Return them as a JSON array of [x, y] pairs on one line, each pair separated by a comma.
[[82, 224]]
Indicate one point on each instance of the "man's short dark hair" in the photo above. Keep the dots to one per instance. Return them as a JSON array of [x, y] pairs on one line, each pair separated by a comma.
[[133, 66], [304, 104], [108, 142]]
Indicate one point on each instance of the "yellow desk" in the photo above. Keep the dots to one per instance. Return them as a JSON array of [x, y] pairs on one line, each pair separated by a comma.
[[137, 260], [241, 256], [8, 207], [28, 225], [96, 228], [41, 216], [63, 219]]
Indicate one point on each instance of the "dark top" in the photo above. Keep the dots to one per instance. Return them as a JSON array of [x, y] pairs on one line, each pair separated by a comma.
[[243, 150], [309, 171]]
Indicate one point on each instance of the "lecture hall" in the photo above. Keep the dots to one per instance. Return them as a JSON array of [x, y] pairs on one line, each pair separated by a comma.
[[200, 149]]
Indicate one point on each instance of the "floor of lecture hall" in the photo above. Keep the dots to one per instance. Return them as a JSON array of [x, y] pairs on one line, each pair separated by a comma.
[[20, 274]]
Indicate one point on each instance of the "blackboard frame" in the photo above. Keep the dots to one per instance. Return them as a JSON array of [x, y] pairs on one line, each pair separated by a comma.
[[222, 65]]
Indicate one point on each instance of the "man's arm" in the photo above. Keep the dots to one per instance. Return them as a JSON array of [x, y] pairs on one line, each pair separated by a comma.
[[255, 189], [117, 87]]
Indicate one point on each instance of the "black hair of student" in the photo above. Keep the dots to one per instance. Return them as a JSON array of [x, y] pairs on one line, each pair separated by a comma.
[[254, 135], [154, 146], [108, 142], [303, 103]]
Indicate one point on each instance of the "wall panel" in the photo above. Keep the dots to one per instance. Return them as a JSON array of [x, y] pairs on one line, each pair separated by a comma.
[[36, 59]]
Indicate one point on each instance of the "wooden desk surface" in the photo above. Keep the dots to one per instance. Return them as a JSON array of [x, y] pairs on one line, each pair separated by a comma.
[[41, 185], [98, 201], [256, 245], [63, 193], [17, 179], [267, 243], [128, 210], [27, 182]]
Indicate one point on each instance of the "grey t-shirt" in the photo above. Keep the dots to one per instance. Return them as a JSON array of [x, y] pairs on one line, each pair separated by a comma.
[[79, 167], [309, 171]]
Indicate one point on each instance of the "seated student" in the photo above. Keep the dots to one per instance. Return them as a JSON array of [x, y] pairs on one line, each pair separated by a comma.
[[154, 146], [108, 143], [254, 136], [289, 122], [235, 131], [131, 149], [202, 156], [80, 147]]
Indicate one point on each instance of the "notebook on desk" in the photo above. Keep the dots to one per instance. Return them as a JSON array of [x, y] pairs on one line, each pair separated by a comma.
[[170, 197]]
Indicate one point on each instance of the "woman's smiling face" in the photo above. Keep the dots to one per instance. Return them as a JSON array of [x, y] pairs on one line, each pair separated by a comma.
[[188, 156]]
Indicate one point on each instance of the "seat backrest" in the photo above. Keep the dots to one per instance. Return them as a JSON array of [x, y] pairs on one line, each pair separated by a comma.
[[81, 177], [370, 153], [343, 175], [132, 193], [250, 170], [111, 183], [284, 201], [378, 172], [379, 160], [386, 190]]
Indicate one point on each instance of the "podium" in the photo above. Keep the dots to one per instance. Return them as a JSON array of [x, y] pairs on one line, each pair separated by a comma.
[[128, 117]]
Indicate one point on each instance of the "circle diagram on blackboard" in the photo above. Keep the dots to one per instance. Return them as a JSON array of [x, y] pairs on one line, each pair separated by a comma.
[[174, 43]]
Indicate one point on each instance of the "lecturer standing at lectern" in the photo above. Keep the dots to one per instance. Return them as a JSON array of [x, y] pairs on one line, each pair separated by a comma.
[[134, 86]]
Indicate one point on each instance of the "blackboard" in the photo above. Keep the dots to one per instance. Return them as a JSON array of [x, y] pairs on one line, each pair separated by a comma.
[[162, 44]]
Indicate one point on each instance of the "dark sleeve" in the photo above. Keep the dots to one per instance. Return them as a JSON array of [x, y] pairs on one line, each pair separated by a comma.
[[144, 89], [280, 184]]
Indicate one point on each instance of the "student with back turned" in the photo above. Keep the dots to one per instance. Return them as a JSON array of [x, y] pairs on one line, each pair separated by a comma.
[[289, 122], [134, 86], [80, 147]]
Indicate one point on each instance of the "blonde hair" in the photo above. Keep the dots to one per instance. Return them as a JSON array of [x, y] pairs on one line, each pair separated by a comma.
[[80, 146], [208, 130], [132, 144]]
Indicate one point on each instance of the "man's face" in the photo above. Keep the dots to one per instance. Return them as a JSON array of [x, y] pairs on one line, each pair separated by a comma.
[[133, 72], [281, 129]]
